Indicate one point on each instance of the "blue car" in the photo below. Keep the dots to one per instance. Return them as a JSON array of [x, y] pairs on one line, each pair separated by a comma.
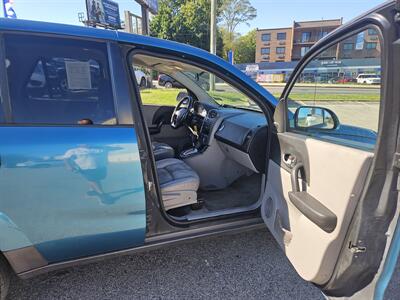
[[93, 166]]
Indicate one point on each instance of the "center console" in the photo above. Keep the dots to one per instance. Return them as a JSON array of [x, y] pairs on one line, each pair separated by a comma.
[[231, 143], [205, 135]]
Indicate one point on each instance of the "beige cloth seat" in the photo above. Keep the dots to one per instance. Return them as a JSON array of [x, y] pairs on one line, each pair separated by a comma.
[[162, 151], [178, 182]]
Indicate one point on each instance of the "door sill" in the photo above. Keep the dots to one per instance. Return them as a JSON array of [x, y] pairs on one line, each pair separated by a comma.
[[203, 215]]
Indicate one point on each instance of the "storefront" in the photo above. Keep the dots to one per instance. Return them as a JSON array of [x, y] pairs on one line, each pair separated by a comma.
[[323, 71]]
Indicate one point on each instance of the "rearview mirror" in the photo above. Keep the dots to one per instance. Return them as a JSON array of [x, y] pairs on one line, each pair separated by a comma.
[[313, 117]]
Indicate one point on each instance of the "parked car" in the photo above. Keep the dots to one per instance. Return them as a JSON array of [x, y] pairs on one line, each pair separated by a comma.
[[169, 82], [368, 79], [341, 80], [95, 172], [141, 78]]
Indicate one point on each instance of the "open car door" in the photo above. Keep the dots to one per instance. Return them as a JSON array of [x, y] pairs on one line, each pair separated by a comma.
[[331, 199]]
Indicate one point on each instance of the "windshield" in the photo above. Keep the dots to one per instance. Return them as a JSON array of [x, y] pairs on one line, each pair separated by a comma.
[[222, 93], [206, 86]]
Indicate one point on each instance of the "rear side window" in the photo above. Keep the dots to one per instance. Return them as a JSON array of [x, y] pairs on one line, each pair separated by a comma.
[[58, 81]]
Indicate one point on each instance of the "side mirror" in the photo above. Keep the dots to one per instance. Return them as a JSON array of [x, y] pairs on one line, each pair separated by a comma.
[[316, 118]]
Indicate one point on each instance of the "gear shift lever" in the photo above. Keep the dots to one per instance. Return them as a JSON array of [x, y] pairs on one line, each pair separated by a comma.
[[194, 140]]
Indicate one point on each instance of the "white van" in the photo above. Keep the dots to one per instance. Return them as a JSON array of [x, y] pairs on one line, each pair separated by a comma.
[[368, 79]]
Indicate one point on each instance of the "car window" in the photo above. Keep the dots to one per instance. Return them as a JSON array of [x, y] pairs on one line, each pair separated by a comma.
[[158, 88], [222, 93], [58, 81], [337, 95], [170, 80]]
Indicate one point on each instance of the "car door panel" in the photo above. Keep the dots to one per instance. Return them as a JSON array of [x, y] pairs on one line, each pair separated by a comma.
[[334, 177], [73, 191], [347, 166]]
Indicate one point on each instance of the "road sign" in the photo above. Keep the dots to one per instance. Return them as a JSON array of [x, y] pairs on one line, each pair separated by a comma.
[[231, 57], [252, 68], [103, 13]]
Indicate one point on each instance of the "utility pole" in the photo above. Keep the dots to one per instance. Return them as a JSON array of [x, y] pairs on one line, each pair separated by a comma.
[[213, 38], [145, 20]]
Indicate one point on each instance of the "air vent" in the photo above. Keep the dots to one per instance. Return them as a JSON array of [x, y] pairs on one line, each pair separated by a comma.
[[212, 114]]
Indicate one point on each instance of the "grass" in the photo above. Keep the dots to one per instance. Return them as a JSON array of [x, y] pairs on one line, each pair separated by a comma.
[[165, 97], [168, 97]]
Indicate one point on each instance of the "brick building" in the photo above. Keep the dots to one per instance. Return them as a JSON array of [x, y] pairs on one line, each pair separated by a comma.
[[291, 43]]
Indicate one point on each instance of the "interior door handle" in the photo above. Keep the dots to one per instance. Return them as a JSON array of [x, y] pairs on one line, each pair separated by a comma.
[[295, 177], [290, 160]]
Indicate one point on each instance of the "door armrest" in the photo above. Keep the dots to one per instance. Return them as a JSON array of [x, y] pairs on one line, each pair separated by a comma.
[[314, 210]]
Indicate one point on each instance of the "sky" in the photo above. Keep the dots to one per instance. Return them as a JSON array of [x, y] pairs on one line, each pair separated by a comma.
[[271, 13]]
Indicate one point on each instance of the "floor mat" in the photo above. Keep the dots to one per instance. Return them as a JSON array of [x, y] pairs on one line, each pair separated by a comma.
[[243, 192]]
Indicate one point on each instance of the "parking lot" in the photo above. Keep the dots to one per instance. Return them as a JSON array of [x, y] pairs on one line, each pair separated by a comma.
[[241, 266]]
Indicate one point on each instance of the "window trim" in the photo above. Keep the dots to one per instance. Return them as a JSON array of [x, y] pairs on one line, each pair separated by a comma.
[[269, 51], [371, 43], [283, 33], [280, 53], [265, 34], [372, 32], [312, 54], [348, 49], [306, 50], [4, 84], [309, 36]]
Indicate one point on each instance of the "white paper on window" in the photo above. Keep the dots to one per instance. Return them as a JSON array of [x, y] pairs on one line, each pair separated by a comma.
[[78, 75]]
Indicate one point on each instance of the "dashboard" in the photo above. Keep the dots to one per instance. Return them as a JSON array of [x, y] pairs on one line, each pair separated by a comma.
[[200, 109], [242, 134]]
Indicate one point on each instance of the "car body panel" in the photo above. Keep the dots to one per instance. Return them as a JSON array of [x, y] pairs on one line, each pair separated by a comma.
[[39, 164], [11, 237]]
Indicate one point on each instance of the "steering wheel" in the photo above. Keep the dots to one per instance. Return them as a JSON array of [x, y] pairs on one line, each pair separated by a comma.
[[181, 112]]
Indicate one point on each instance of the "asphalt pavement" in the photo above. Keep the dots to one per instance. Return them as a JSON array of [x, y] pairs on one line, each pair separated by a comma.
[[242, 266]]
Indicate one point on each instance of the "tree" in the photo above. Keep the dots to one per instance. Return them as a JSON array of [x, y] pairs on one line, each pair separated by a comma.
[[245, 48], [184, 21], [233, 13], [228, 40]]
